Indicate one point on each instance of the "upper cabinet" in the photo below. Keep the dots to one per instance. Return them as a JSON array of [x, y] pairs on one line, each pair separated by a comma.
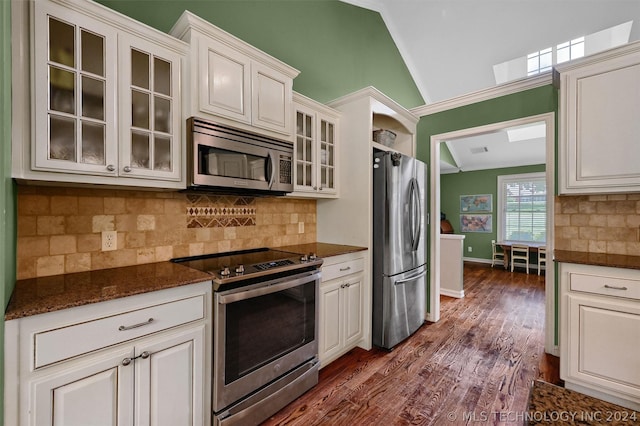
[[234, 83], [349, 220], [599, 126], [106, 99], [315, 149]]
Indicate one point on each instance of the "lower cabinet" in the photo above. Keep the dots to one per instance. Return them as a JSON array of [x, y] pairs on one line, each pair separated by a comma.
[[341, 306], [158, 378], [600, 332]]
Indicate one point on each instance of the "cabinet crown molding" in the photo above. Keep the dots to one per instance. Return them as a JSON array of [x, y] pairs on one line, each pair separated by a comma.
[[603, 56], [304, 100], [384, 105], [123, 23], [189, 21]]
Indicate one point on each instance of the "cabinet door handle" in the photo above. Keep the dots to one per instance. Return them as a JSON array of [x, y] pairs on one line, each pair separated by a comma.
[[111, 167], [143, 355], [126, 169], [613, 287], [345, 269], [129, 327]]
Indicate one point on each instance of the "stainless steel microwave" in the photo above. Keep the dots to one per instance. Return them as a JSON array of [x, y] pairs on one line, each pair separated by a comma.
[[227, 160]]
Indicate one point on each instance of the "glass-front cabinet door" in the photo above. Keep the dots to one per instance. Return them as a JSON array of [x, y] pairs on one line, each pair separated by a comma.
[[150, 110], [315, 153], [75, 93], [327, 156], [305, 151]]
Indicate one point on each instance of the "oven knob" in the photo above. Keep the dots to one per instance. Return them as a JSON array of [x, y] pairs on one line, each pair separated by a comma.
[[312, 256], [303, 258], [225, 272], [240, 269]]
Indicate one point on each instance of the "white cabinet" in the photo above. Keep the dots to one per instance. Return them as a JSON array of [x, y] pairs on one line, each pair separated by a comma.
[[234, 83], [316, 170], [599, 126], [600, 332], [107, 105], [138, 360], [349, 219], [98, 392], [341, 319]]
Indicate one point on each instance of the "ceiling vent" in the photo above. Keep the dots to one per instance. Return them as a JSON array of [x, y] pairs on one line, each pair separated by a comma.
[[479, 150]]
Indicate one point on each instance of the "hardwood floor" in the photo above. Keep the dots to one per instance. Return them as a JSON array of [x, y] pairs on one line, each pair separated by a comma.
[[474, 366]]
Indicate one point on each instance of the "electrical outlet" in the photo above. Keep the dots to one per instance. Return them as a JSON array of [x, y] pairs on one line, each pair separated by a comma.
[[109, 240], [300, 227], [469, 249]]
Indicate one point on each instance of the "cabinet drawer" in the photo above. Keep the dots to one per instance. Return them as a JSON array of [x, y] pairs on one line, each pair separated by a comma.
[[341, 269], [58, 344], [606, 286]]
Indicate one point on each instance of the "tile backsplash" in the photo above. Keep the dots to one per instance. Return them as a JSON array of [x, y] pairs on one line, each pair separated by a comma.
[[59, 229], [598, 223]]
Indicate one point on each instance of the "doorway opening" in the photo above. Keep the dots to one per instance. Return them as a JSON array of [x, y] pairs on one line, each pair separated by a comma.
[[437, 141]]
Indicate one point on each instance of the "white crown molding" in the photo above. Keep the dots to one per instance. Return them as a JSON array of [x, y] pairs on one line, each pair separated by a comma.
[[485, 94], [189, 21], [372, 92]]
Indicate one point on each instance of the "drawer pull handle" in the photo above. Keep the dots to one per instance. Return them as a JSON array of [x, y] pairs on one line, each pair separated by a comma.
[[613, 287], [345, 269], [130, 327]]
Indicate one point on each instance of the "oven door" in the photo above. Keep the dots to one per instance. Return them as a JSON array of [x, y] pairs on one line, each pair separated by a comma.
[[261, 332]]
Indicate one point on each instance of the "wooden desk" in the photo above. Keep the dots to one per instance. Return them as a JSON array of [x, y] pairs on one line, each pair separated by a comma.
[[506, 247]]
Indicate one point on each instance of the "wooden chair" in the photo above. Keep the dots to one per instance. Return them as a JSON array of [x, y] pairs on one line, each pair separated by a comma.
[[520, 253], [542, 258], [496, 254]]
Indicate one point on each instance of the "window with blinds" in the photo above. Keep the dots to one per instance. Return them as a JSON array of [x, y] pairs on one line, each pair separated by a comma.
[[522, 203]]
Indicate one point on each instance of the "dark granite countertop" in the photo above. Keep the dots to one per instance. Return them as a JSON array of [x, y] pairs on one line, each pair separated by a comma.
[[598, 259], [322, 249], [47, 294], [551, 404]]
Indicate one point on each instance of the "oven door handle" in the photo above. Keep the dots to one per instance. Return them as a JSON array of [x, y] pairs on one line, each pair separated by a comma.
[[268, 288]]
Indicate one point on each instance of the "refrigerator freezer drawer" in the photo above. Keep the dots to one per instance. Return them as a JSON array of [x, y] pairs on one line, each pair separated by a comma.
[[399, 306]]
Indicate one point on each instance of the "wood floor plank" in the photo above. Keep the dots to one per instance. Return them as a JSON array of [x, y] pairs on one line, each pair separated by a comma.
[[474, 366]]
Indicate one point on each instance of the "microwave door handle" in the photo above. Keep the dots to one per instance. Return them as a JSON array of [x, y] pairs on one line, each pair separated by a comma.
[[270, 168]]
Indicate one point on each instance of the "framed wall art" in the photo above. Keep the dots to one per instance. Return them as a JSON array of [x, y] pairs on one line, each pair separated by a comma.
[[476, 223], [482, 203]]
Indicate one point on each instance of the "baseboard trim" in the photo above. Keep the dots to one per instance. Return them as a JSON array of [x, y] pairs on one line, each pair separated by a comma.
[[452, 293], [476, 260]]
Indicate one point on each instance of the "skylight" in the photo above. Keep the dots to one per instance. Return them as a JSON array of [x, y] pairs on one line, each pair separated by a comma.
[[526, 132], [543, 59]]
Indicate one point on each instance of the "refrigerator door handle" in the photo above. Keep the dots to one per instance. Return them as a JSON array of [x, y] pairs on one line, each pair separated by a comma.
[[416, 213], [414, 277]]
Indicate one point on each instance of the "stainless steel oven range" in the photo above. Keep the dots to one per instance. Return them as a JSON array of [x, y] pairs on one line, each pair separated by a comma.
[[265, 348]]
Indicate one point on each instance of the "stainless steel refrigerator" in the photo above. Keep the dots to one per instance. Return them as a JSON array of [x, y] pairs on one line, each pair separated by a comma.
[[399, 247]]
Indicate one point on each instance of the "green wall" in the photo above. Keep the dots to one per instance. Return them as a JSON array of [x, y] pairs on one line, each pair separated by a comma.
[[339, 48], [536, 101], [453, 185], [7, 189], [510, 107]]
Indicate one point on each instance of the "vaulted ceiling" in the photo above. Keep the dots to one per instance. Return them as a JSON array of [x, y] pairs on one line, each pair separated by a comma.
[[451, 46]]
